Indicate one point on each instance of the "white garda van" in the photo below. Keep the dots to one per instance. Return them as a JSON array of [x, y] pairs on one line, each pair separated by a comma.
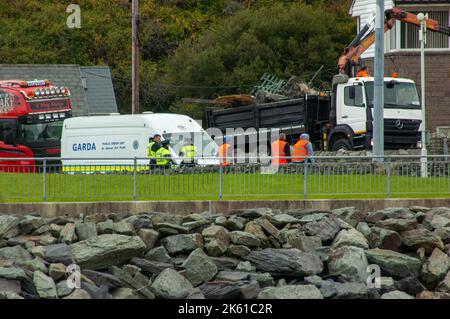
[[107, 143]]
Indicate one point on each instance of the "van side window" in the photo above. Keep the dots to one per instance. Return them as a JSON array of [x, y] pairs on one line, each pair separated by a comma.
[[353, 95]]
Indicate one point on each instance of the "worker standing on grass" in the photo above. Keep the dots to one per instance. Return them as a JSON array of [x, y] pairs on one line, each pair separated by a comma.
[[302, 149], [164, 156], [280, 151], [188, 152], [153, 146], [226, 152]]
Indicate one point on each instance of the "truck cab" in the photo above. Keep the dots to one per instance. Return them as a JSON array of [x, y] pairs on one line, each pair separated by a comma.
[[351, 116], [31, 117]]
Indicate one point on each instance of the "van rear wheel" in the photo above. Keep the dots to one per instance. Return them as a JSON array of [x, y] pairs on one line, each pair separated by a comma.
[[342, 145]]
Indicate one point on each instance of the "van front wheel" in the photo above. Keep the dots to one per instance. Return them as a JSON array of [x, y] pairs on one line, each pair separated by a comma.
[[342, 145]]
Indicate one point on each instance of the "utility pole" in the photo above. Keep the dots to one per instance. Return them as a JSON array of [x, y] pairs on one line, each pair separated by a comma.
[[423, 40], [378, 102], [135, 107]]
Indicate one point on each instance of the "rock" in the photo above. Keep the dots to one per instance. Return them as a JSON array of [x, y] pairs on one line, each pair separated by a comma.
[[221, 221], [196, 226], [387, 284], [150, 267], [326, 228], [385, 239], [398, 212], [180, 244], [398, 224], [124, 228], [78, 294], [433, 295], [443, 233], [16, 253], [32, 265], [235, 223], [106, 227], [393, 263], [349, 262], [59, 253], [217, 240], [410, 285], [106, 250], [263, 279], [243, 238], [57, 271], [250, 290], [30, 223], [7, 223], [45, 286], [436, 267], [13, 273], [245, 266], [291, 292], [159, 254], [290, 262], [350, 215], [102, 278], [232, 276], [225, 263], [67, 234], [351, 290], [199, 267], [96, 292], [85, 231], [255, 229], [162, 218], [374, 217], [396, 294], [10, 286], [9, 295], [439, 221], [46, 240], [149, 237], [281, 220], [447, 249], [63, 289], [141, 284], [252, 213], [305, 243], [38, 251], [124, 293], [364, 229], [444, 285], [41, 230], [417, 238], [170, 284], [221, 290], [417, 209], [267, 226], [239, 250], [350, 237]]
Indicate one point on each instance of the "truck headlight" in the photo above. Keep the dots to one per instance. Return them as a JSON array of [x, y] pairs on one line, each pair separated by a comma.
[[419, 144]]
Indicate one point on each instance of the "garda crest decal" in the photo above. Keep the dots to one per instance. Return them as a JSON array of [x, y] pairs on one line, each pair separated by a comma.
[[135, 144], [6, 102]]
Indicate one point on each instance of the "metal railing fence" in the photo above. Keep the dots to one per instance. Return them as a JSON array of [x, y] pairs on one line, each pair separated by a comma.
[[48, 179]]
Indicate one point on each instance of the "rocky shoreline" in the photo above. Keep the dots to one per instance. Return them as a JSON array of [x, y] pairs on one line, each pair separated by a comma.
[[250, 253]]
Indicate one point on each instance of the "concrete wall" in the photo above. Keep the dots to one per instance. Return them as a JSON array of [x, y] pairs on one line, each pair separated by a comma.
[[225, 207]]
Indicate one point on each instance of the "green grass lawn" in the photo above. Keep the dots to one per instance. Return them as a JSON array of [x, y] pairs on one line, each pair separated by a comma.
[[205, 186]]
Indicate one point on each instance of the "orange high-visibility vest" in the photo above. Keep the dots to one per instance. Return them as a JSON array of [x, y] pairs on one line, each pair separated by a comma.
[[224, 151], [300, 151], [278, 151]]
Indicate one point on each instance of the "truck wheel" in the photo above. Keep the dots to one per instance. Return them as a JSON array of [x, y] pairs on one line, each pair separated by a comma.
[[343, 144]]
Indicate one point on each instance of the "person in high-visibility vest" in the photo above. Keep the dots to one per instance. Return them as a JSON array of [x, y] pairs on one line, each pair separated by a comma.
[[302, 149], [188, 152], [164, 156], [281, 151], [364, 72], [153, 146], [226, 152]]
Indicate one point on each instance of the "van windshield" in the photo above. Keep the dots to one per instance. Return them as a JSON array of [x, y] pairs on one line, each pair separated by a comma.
[[206, 147], [399, 95]]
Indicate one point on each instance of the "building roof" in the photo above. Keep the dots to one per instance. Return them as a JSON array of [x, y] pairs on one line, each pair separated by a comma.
[[84, 93], [99, 90]]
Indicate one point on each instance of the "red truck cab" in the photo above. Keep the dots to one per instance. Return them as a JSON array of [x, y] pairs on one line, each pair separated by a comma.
[[31, 118]]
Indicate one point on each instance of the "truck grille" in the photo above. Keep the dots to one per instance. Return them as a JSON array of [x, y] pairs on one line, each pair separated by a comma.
[[401, 127]]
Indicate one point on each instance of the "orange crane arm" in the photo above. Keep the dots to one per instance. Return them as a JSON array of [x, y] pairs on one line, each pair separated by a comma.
[[360, 44]]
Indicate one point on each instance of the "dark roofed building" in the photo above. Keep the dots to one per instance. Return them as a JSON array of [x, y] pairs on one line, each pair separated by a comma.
[[91, 87]]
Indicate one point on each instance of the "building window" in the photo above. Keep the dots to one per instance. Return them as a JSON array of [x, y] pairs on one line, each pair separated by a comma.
[[409, 33]]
